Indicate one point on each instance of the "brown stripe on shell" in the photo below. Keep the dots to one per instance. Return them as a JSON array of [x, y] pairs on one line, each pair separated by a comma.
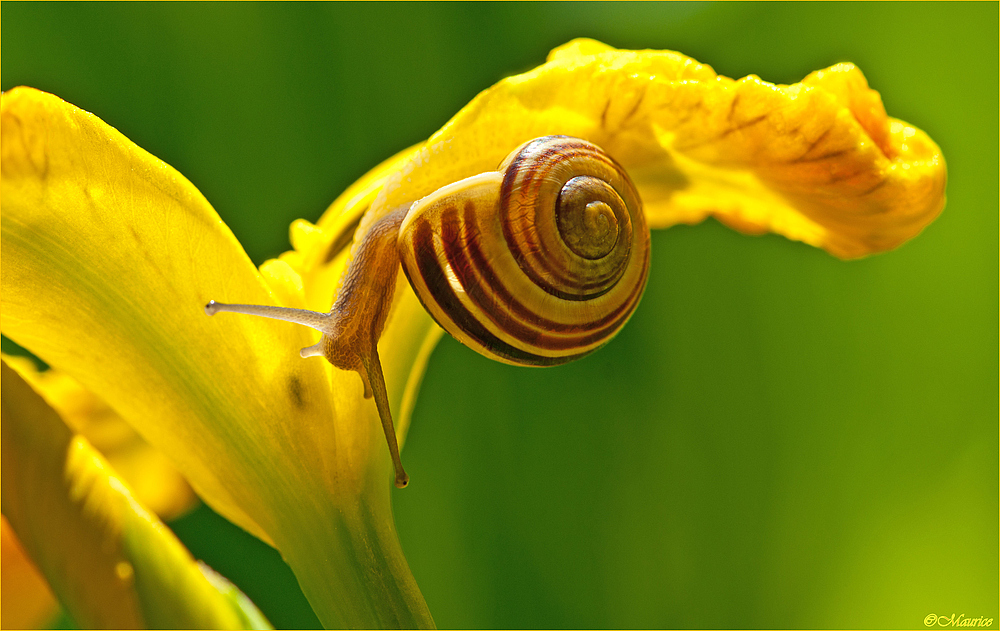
[[524, 178], [503, 296], [459, 243], [524, 243], [437, 283]]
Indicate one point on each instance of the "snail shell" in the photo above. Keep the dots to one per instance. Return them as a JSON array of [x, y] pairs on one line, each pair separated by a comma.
[[538, 263]]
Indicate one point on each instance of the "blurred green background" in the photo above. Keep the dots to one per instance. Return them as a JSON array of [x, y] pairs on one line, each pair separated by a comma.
[[777, 438]]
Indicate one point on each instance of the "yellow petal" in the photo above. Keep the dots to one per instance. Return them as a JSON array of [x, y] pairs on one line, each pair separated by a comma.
[[109, 258], [816, 161], [155, 481], [27, 601], [112, 563], [683, 133], [109, 247]]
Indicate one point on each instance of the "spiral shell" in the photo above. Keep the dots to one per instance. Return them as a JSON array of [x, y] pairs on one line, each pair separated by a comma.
[[538, 263]]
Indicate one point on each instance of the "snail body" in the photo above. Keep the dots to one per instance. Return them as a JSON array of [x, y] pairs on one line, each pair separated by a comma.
[[538, 263]]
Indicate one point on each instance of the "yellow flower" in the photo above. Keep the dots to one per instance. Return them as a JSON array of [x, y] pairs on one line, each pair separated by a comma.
[[112, 563], [110, 256], [154, 482]]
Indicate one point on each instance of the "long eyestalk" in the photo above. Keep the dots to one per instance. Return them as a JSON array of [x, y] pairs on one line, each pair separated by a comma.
[[311, 319], [377, 382]]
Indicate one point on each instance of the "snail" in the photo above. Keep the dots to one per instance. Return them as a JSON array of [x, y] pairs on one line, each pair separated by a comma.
[[538, 263]]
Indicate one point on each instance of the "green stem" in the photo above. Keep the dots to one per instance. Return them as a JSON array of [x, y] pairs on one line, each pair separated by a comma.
[[351, 567]]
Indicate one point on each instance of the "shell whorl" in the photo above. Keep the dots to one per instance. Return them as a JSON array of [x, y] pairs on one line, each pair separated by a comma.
[[548, 185], [538, 263]]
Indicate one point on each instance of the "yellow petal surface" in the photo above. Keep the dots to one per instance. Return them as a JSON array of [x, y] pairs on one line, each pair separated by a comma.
[[155, 482], [112, 562], [106, 241], [818, 161], [109, 258]]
